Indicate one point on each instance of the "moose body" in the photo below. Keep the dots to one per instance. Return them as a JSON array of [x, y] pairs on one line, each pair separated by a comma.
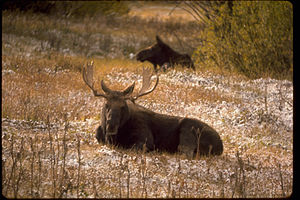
[[160, 132], [160, 53], [127, 124]]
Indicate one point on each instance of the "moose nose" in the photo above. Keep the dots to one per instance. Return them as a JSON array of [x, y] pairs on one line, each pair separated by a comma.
[[111, 130]]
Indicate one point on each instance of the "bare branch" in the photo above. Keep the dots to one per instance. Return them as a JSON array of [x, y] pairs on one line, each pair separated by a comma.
[[201, 10], [177, 5], [191, 13], [283, 98], [195, 11]]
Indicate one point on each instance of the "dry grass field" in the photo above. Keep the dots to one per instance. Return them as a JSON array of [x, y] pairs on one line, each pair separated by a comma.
[[49, 116]]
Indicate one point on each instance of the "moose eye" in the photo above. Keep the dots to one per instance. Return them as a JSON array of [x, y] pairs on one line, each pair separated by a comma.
[[123, 112], [107, 107]]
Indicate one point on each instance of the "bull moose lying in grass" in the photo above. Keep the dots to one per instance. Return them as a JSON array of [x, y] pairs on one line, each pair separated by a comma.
[[126, 124], [160, 53]]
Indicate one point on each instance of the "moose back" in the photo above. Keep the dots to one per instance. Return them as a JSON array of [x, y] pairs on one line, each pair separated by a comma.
[[128, 125]]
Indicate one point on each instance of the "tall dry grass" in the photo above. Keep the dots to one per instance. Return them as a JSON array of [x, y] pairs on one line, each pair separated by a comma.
[[44, 155]]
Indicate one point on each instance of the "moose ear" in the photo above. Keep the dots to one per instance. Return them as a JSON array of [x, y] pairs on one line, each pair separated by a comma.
[[159, 41], [128, 91], [105, 88], [193, 129]]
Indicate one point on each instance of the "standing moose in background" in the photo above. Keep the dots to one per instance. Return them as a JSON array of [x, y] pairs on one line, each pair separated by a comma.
[[126, 124], [160, 53]]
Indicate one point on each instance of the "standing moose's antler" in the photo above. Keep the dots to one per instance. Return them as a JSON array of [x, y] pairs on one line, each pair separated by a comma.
[[147, 74], [88, 76]]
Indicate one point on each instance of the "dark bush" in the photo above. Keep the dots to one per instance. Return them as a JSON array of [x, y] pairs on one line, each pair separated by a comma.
[[27, 5], [68, 8]]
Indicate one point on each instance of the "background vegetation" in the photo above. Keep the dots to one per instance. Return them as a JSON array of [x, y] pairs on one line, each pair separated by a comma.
[[67, 9], [253, 38]]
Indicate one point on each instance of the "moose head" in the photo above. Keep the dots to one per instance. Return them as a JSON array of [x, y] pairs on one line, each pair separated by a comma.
[[115, 111], [152, 52]]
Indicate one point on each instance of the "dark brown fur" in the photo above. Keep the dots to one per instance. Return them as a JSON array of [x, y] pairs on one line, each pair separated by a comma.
[[137, 126], [160, 53]]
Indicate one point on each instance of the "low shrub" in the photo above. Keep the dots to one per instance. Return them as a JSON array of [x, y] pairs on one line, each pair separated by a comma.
[[255, 39]]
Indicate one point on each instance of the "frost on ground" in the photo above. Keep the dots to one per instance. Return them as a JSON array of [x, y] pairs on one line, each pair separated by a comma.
[[253, 117]]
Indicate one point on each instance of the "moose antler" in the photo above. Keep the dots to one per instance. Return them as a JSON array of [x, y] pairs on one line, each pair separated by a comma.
[[88, 76], [147, 74]]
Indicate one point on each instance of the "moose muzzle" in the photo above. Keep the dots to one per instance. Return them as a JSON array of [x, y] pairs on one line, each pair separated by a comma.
[[111, 130]]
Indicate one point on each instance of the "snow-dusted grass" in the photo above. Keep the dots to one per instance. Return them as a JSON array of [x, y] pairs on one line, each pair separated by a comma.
[[46, 115]]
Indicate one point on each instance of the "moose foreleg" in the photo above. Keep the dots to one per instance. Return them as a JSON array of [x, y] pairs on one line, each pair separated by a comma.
[[100, 135], [144, 140]]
